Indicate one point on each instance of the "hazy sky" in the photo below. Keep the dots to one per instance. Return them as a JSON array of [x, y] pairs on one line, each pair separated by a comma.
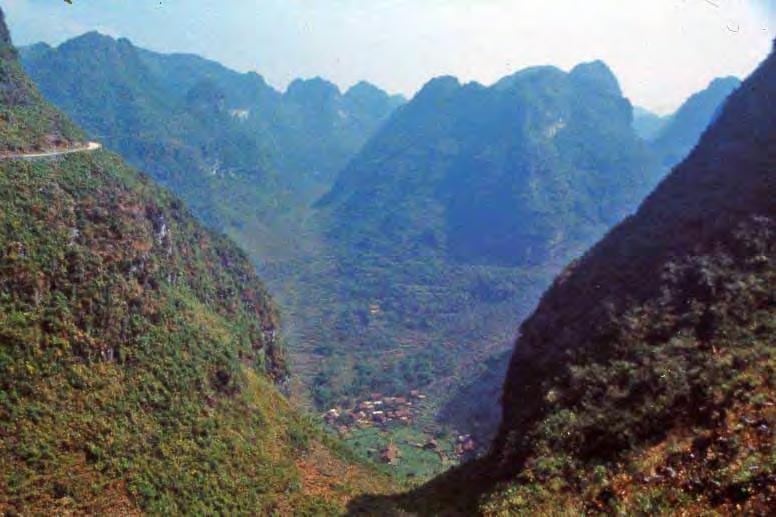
[[661, 50]]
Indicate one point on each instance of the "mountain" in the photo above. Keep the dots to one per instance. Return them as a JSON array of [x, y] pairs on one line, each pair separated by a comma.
[[247, 159], [643, 382], [459, 210], [114, 88], [180, 72], [317, 129], [200, 152], [647, 124], [526, 148], [682, 131], [140, 363]]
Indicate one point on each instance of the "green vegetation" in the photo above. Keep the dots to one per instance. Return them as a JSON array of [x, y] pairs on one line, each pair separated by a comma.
[[140, 364], [450, 222], [644, 381], [139, 356], [136, 348], [439, 235], [608, 437], [413, 463], [450, 216]]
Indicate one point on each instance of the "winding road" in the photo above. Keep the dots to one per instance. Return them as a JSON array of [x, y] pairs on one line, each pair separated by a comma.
[[89, 147]]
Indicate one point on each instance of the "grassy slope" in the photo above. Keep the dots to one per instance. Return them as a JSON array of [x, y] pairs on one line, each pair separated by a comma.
[[138, 358], [138, 353]]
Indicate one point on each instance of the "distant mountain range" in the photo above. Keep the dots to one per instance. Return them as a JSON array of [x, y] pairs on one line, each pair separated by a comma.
[[305, 134], [462, 206], [672, 137], [244, 156]]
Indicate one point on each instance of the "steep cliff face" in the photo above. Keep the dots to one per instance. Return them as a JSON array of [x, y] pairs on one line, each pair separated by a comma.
[[139, 353], [661, 336]]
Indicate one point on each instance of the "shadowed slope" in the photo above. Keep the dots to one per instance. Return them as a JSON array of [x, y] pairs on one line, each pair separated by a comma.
[[644, 381]]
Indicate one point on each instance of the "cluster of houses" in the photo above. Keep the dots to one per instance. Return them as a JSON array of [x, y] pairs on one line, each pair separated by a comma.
[[465, 445], [380, 410], [376, 410]]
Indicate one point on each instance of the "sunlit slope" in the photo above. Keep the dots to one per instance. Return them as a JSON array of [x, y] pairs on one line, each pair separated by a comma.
[[139, 352]]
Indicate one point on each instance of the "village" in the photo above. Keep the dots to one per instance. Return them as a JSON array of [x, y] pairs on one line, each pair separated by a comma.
[[377, 410], [384, 412]]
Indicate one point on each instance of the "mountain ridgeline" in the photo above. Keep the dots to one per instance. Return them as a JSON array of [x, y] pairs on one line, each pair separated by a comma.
[[139, 352], [116, 90], [245, 157], [644, 381], [682, 130], [461, 208]]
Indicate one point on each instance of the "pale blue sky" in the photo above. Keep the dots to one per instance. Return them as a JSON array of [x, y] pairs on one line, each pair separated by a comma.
[[661, 50]]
